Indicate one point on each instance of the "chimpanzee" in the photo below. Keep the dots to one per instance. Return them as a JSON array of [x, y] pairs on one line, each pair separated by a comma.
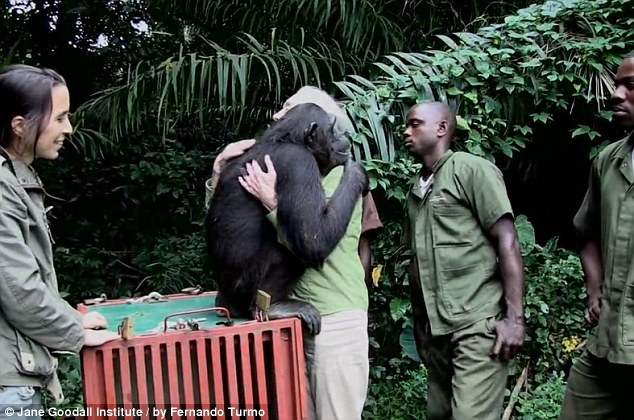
[[247, 251]]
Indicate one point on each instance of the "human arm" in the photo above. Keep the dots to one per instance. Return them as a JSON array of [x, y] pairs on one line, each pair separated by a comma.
[[420, 318], [28, 304], [510, 330], [485, 190], [229, 152], [365, 254], [371, 226], [593, 269], [586, 221]]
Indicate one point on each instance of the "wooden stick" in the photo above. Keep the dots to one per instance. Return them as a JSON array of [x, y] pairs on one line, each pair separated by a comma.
[[516, 391]]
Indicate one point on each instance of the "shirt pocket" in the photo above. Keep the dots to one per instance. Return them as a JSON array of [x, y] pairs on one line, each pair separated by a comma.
[[33, 359], [451, 223], [627, 318]]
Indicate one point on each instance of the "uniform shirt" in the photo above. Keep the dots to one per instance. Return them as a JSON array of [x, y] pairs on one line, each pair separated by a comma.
[[447, 230], [607, 215]]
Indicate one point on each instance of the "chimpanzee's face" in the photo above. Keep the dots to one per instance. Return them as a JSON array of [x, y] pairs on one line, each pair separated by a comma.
[[330, 147]]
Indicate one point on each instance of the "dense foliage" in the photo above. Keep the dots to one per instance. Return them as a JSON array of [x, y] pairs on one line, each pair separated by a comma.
[[129, 219], [509, 81]]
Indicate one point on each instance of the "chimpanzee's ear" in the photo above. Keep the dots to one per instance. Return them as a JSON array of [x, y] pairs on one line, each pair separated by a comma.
[[308, 134]]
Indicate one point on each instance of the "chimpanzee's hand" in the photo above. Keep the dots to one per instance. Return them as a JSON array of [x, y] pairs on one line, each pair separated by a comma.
[[357, 174]]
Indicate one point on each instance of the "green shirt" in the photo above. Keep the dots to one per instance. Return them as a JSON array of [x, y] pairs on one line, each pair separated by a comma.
[[340, 284], [456, 263], [607, 214]]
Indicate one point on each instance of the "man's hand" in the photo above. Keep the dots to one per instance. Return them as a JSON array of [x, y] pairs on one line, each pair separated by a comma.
[[594, 310], [94, 320], [261, 184], [230, 151], [509, 340]]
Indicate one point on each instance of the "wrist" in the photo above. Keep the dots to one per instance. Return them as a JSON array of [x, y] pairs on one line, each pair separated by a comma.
[[594, 293], [515, 316]]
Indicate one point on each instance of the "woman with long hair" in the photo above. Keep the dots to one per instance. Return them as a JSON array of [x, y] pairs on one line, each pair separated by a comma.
[[35, 322]]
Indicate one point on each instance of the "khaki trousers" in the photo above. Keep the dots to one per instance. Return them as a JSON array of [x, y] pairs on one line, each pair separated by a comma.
[[464, 382], [598, 390], [337, 366]]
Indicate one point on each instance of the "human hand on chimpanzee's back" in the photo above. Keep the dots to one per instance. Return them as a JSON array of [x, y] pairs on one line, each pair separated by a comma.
[[230, 151], [261, 184], [509, 338]]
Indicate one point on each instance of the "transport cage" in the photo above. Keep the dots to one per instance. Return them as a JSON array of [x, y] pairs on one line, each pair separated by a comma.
[[179, 356]]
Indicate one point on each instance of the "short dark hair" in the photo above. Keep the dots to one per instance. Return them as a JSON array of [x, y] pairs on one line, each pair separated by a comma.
[[445, 111], [26, 91]]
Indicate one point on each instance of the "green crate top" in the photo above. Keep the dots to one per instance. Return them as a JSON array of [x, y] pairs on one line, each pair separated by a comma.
[[148, 317]]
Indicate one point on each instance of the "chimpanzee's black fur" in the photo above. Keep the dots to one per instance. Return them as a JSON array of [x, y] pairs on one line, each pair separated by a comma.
[[246, 250]]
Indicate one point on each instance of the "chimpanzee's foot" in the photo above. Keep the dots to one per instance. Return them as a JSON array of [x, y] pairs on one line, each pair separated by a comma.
[[296, 308], [224, 302], [259, 314]]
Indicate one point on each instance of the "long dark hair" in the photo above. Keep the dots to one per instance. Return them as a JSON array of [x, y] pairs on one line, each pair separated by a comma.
[[26, 91]]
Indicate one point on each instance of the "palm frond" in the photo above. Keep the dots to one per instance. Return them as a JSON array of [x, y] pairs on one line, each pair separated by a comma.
[[225, 82], [367, 28]]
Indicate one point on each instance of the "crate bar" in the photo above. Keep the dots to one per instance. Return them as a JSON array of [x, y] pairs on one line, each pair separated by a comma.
[[258, 341], [201, 353], [126, 383], [172, 373], [247, 380], [230, 358], [157, 373], [108, 372], [299, 366], [216, 365], [283, 374], [188, 380], [142, 377]]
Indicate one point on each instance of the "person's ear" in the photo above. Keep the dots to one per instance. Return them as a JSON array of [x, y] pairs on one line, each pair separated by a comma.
[[443, 128], [18, 126]]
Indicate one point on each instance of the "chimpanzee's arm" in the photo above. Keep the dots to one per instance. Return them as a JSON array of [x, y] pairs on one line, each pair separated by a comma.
[[308, 223]]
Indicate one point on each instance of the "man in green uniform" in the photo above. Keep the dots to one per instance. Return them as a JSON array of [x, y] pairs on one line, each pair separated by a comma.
[[466, 276], [600, 382]]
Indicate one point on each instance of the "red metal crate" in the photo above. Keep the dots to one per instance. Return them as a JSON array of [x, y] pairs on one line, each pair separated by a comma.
[[250, 366]]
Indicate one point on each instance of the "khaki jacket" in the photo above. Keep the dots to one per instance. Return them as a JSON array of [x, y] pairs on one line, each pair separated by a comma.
[[607, 215], [457, 265], [35, 321]]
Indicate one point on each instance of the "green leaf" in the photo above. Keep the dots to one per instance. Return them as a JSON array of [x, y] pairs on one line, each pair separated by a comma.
[[472, 96], [454, 91], [461, 123], [398, 308], [408, 344], [581, 131], [525, 234]]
